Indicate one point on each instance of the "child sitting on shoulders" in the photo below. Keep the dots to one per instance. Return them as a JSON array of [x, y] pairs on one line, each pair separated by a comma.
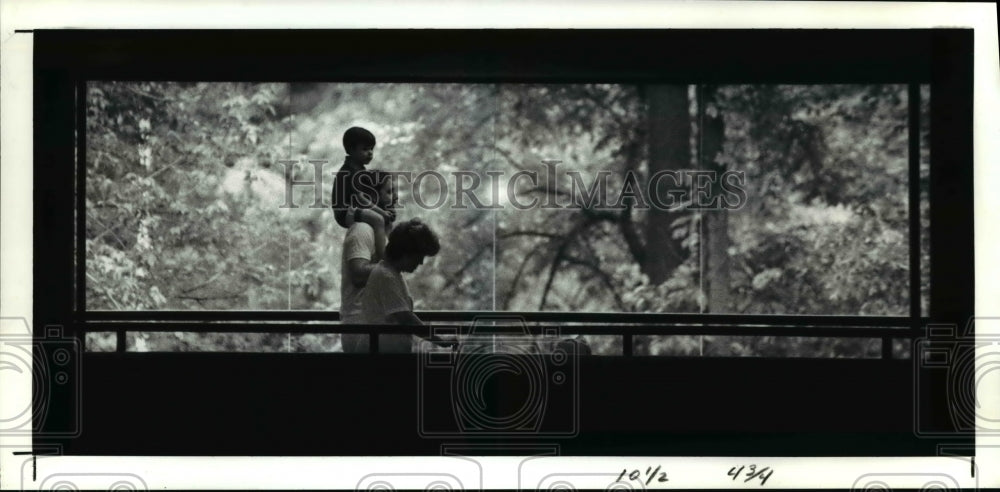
[[350, 206]]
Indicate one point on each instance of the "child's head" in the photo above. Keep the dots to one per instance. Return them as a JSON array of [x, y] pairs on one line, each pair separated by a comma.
[[359, 144]]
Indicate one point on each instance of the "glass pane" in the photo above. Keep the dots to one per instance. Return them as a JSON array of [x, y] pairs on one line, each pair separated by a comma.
[[759, 346], [182, 196], [925, 204], [762, 199], [824, 229], [101, 341], [186, 341], [187, 186], [722, 199], [901, 348], [603, 344]]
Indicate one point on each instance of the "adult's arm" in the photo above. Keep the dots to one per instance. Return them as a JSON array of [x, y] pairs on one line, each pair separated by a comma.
[[405, 318], [359, 249], [393, 299], [408, 318], [358, 269]]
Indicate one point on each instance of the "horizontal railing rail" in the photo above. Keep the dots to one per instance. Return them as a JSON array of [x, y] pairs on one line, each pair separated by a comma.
[[529, 316], [534, 329], [885, 328]]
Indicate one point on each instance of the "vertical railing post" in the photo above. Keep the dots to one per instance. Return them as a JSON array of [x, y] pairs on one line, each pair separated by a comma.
[[916, 254], [886, 348]]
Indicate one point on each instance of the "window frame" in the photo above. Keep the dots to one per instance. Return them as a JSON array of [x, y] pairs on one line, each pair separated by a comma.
[[65, 60]]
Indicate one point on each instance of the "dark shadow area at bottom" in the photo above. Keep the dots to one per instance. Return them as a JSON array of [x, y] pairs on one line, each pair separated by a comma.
[[336, 404]]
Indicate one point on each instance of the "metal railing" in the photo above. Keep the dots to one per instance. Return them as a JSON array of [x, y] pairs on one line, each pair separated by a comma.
[[626, 325]]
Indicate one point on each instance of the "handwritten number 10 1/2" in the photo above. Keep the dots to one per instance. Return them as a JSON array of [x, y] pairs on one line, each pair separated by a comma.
[[636, 475], [752, 473]]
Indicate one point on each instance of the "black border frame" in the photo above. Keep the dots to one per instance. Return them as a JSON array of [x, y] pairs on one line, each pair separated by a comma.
[[64, 59]]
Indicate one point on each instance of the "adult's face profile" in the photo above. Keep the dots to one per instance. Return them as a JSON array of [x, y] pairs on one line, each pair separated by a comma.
[[412, 261]]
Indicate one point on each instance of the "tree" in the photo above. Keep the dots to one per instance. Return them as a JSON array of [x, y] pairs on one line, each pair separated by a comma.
[[820, 234], [669, 145], [181, 212]]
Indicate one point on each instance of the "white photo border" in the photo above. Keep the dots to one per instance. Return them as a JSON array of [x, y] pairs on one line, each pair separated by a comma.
[[494, 472]]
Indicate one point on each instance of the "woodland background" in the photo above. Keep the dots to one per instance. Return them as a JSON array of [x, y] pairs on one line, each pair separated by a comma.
[[185, 184]]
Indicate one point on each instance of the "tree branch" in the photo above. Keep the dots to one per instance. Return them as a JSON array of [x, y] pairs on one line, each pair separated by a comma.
[[458, 273], [164, 168], [545, 189], [507, 156], [106, 231], [623, 219], [631, 236], [146, 94], [517, 278], [480, 213], [625, 224], [210, 280], [608, 280], [106, 293], [511, 234], [560, 254], [605, 278], [210, 298], [605, 106], [552, 273]]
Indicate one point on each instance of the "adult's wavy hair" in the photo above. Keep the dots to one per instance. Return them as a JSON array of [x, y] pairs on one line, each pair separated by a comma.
[[412, 237]]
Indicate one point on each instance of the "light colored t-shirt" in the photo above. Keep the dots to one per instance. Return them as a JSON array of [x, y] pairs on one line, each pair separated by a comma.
[[384, 294], [358, 243]]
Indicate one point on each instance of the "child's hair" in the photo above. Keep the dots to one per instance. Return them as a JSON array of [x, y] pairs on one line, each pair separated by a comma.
[[356, 135], [411, 237]]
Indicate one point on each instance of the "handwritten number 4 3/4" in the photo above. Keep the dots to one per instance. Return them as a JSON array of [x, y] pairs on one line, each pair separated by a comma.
[[637, 475], [752, 472]]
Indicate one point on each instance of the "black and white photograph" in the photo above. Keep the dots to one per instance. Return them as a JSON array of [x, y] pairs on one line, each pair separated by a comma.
[[554, 198], [396, 258]]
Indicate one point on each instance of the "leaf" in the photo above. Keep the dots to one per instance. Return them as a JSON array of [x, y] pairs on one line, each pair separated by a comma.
[[763, 279], [156, 296]]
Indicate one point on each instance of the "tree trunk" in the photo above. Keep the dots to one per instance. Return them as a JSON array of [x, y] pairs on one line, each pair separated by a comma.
[[715, 222], [669, 149]]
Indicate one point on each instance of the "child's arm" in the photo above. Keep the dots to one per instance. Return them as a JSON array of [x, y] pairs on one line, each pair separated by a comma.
[[365, 202], [357, 205], [349, 217], [389, 215]]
